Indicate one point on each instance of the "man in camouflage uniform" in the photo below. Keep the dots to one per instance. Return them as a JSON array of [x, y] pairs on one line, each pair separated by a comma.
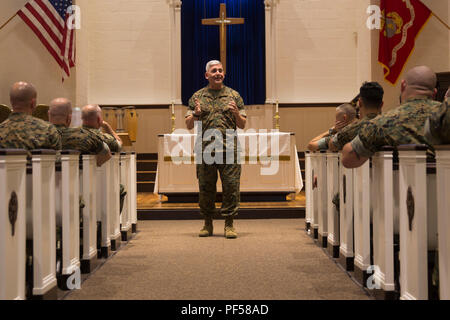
[[345, 115], [93, 122], [217, 107], [437, 128], [60, 115], [402, 125], [23, 131], [91, 115], [370, 102]]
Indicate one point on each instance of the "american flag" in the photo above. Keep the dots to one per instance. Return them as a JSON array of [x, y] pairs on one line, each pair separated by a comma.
[[48, 20]]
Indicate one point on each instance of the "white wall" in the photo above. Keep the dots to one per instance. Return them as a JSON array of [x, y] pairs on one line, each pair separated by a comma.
[[24, 58], [129, 52], [316, 51]]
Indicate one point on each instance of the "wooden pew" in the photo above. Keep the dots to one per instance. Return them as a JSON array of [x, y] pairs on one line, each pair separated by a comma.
[[332, 211], [88, 190], [41, 227], [125, 217], [12, 224], [114, 213], [418, 221], [68, 216], [443, 213]]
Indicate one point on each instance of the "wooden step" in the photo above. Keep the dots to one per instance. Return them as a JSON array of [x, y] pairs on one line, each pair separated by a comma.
[[146, 175], [146, 165], [145, 186]]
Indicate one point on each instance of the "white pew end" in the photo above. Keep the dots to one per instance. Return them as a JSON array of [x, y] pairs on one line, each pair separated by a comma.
[[418, 221], [346, 253], [308, 191], [41, 225], [322, 199], [104, 205], [12, 224], [125, 217], [332, 210], [443, 202], [133, 192], [114, 213], [89, 233], [68, 216]]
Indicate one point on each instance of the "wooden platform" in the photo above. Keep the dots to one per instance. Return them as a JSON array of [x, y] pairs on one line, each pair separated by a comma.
[[151, 207]]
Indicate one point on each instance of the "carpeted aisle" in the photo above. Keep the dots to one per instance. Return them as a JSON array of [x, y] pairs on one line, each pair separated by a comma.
[[272, 259]]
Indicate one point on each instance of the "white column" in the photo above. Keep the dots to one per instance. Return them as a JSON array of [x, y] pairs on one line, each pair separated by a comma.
[[12, 244], [443, 201], [175, 49]]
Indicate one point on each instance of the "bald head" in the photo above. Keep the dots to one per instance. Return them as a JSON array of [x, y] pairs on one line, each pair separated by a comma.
[[91, 116], [419, 80], [60, 111], [23, 97]]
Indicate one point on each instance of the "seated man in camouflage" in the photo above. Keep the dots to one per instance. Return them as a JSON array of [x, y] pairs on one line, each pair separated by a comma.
[[60, 115], [93, 122], [23, 131], [345, 114], [437, 128], [402, 125], [370, 104]]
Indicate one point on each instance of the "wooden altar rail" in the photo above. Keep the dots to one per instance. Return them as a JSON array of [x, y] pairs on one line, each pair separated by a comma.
[[44, 245], [384, 228]]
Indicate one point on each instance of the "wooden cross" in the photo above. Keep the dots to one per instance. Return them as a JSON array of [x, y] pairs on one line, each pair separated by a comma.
[[222, 21]]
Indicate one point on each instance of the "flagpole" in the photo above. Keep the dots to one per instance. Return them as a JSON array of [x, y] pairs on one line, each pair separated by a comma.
[[3, 25], [440, 20]]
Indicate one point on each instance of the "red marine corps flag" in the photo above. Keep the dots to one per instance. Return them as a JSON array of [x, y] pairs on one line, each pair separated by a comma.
[[401, 22]]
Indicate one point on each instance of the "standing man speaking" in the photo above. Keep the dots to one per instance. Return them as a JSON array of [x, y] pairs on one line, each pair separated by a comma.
[[218, 111]]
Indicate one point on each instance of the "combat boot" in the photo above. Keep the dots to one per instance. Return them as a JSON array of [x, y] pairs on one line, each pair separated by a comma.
[[207, 229], [230, 233]]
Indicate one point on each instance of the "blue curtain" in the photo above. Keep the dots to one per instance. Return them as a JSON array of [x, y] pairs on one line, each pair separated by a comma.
[[245, 47]]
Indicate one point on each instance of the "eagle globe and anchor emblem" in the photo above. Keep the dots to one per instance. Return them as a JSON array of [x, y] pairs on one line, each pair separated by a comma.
[[391, 23]]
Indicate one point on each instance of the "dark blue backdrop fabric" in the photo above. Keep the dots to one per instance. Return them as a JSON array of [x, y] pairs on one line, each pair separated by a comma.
[[246, 72]]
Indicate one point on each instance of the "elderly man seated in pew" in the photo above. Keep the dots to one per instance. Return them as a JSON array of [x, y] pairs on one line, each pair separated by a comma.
[[370, 104], [23, 131], [345, 115], [93, 122], [60, 115], [402, 125], [437, 128]]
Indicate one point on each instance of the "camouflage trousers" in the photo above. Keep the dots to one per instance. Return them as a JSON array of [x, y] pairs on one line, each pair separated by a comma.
[[230, 175]]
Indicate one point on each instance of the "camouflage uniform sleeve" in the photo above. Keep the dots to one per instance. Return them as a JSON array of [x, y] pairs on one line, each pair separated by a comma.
[[191, 106], [54, 140], [322, 144], [96, 144], [240, 105], [344, 136], [437, 127], [111, 142], [369, 140]]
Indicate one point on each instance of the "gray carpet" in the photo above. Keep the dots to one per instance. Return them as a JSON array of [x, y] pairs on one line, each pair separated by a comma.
[[272, 259]]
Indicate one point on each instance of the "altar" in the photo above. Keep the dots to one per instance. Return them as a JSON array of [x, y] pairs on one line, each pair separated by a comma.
[[270, 166]]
